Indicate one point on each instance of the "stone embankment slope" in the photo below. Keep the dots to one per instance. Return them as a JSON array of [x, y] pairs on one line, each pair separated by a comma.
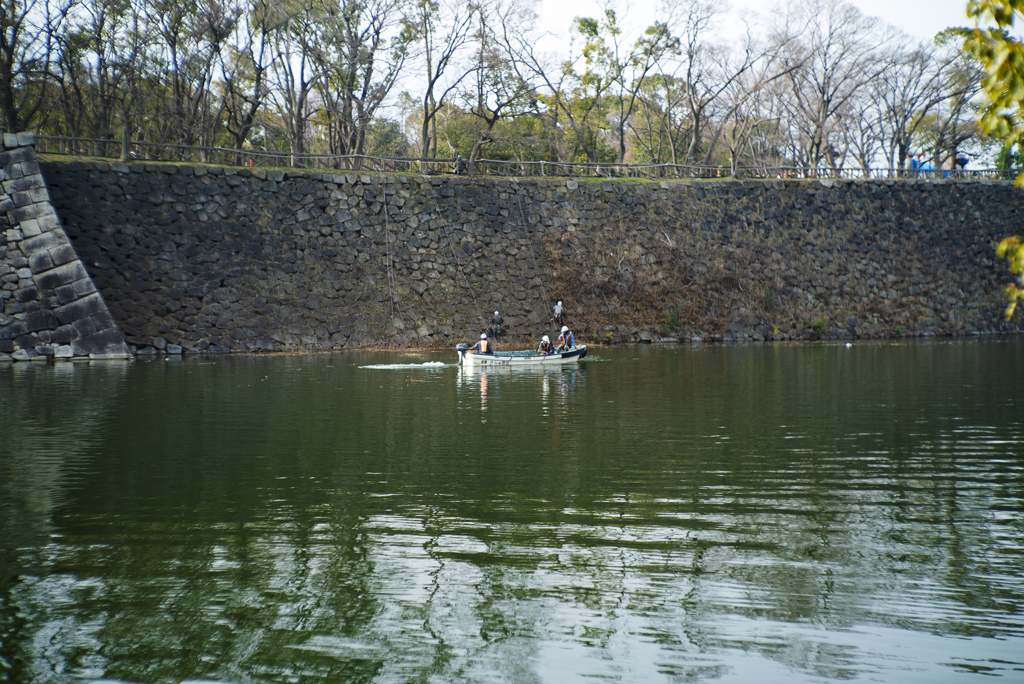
[[199, 259], [49, 306]]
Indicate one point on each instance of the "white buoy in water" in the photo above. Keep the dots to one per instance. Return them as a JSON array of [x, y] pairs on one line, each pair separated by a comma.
[[849, 344]]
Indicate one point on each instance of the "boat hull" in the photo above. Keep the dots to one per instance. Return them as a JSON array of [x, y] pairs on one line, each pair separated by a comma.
[[512, 359]]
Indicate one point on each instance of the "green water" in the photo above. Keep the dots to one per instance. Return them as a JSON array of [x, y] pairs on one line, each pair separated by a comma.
[[718, 513]]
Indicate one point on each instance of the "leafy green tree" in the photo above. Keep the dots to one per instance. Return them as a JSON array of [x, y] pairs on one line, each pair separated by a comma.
[[1010, 158], [1002, 56], [500, 88], [1012, 249], [622, 66]]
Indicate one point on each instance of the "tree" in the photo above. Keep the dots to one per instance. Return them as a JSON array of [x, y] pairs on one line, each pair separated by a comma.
[[192, 34], [1012, 249], [29, 32], [909, 85], [360, 63], [245, 65], [837, 50], [1002, 57], [624, 68], [580, 98], [442, 28], [294, 72], [500, 87]]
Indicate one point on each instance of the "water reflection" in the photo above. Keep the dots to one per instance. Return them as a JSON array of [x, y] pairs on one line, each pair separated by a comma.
[[739, 514]]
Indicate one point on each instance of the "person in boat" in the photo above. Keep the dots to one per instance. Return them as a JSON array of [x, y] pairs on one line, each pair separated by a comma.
[[484, 346], [496, 322], [566, 340], [545, 347], [558, 313]]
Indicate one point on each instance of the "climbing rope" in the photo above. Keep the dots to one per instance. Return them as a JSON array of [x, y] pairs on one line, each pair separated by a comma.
[[392, 281], [476, 300], [529, 242]]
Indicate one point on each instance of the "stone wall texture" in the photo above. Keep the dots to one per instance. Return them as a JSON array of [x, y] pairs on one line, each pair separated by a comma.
[[49, 306], [194, 259]]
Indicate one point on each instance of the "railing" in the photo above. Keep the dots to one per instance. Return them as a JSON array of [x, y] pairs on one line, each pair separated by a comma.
[[166, 152]]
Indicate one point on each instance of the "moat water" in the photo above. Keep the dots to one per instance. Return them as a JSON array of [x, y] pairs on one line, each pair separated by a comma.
[[760, 513]]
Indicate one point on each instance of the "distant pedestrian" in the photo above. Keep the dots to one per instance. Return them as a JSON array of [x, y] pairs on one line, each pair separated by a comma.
[[460, 166], [558, 313], [496, 322]]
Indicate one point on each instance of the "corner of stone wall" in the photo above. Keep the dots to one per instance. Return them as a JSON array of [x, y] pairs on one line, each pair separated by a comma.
[[49, 306]]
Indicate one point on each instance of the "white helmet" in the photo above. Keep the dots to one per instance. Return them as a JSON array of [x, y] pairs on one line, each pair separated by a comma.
[[565, 328], [483, 336], [495, 313], [545, 339], [559, 303]]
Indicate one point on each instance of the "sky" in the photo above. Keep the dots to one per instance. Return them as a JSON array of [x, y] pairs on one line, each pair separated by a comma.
[[919, 18]]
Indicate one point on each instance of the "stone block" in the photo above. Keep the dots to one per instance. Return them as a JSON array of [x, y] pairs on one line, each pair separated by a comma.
[[66, 293], [30, 228], [84, 287], [43, 242], [103, 342], [63, 335], [64, 351], [62, 253], [11, 141], [26, 139], [83, 327], [174, 349], [24, 354], [61, 275], [48, 223], [41, 320], [30, 196], [28, 166], [22, 184], [6, 346], [82, 309], [40, 262], [27, 341], [103, 320], [22, 214], [12, 331]]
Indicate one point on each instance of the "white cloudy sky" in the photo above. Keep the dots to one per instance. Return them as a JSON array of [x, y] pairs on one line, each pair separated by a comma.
[[919, 18]]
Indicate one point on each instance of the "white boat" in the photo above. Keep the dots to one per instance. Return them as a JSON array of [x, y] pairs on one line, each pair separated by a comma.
[[519, 358]]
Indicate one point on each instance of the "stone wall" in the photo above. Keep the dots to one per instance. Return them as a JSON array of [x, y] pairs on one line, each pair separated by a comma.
[[49, 306], [209, 259]]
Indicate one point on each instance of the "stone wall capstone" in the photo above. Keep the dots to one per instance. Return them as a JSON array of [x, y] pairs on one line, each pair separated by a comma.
[[198, 259], [49, 306]]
